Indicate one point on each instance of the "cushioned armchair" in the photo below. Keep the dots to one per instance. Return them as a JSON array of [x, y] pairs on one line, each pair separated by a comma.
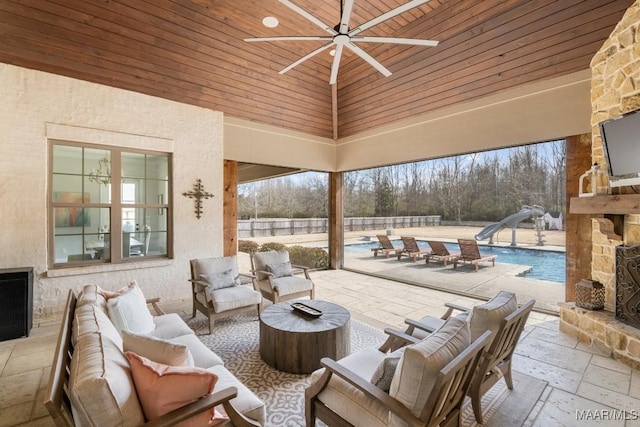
[[421, 384], [219, 290], [278, 280], [500, 316]]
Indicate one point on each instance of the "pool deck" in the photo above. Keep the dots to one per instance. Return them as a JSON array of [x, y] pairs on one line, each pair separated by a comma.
[[464, 280]]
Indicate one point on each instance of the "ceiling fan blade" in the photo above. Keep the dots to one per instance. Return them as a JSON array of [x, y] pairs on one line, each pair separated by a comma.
[[287, 38], [395, 40], [309, 16], [388, 15], [307, 56], [346, 16], [364, 55], [336, 64]]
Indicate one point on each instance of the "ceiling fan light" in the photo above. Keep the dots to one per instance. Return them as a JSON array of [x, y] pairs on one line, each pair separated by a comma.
[[270, 21], [332, 52]]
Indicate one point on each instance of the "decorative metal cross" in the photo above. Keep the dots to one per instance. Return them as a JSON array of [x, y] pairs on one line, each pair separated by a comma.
[[198, 194]]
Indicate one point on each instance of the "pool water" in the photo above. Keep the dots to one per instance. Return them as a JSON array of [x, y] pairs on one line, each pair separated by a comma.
[[545, 265]]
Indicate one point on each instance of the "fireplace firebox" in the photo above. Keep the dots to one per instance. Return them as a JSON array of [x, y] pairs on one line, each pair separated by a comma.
[[628, 285]]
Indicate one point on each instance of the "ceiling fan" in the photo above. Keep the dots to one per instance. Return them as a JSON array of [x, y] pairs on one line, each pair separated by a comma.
[[342, 36]]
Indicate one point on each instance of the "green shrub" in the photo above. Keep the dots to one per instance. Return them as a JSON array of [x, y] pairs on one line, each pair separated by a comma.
[[308, 257], [272, 246], [248, 246]]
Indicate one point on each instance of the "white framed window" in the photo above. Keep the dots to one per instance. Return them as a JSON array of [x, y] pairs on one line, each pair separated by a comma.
[[108, 204]]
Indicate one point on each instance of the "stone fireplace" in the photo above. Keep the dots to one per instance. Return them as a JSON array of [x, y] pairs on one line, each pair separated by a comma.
[[615, 219]]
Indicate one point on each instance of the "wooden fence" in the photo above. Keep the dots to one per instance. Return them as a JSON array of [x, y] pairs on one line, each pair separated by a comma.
[[285, 227]]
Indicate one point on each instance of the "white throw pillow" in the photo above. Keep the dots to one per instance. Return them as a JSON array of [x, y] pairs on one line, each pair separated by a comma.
[[129, 311], [156, 349]]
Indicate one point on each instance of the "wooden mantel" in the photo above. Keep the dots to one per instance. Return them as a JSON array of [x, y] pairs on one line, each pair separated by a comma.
[[621, 204]]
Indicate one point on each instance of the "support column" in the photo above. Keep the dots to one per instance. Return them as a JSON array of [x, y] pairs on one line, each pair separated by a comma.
[[230, 208], [336, 220], [577, 226]]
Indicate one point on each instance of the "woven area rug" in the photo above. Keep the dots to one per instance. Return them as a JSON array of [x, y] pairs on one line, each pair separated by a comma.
[[236, 339]]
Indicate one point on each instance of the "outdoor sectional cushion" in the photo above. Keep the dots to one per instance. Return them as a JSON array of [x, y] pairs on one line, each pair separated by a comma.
[[90, 318], [101, 384], [246, 402], [91, 295], [348, 401], [488, 316], [169, 325], [291, 284], [420, 364], [230, 298]]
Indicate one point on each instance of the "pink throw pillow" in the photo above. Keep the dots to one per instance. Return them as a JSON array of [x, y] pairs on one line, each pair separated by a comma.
[[112, 294], [163, 388]]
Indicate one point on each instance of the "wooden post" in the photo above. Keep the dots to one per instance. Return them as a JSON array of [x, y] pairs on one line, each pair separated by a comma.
[[336, 220], [577, 226], [230, 208]]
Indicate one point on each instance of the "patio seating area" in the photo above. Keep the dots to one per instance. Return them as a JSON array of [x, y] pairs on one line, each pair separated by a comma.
[[580, 378]]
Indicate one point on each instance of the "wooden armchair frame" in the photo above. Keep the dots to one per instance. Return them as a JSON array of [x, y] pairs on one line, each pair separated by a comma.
[[442, 407], [272, 293], [495, 362], [200, 287]]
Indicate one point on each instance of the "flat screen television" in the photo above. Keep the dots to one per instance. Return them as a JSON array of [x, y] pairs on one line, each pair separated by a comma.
[[621, 143]]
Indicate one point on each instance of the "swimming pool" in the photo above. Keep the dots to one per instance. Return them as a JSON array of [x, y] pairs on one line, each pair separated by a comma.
[[545, 265]]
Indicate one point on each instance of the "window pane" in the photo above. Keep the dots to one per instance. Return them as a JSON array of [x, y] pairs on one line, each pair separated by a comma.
[[66, 245], [156, 219], [157, 192], [133, 165], [101, 250], [97, 166], [157, 167], [72, 215], [132, 191], [67, 159], [66, 183]]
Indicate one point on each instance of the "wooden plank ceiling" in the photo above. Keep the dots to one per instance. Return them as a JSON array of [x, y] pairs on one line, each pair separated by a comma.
[[192, 51]]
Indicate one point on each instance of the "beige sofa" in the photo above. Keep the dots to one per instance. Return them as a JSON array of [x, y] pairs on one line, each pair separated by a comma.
[[101, 388]]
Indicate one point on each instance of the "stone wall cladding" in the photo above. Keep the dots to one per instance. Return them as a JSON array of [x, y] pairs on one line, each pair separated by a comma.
[[602, 332], [615, 90]]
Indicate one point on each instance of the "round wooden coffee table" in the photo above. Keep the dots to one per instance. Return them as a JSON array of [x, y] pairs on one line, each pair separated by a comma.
[[294, 342]]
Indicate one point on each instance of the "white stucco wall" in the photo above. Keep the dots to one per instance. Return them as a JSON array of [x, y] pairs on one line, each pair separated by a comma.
[[37, 106]]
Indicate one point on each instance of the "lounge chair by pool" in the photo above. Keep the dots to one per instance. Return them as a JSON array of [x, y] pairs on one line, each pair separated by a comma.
[[439, 252], [412, 250], [469, 252], [386, 247]]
